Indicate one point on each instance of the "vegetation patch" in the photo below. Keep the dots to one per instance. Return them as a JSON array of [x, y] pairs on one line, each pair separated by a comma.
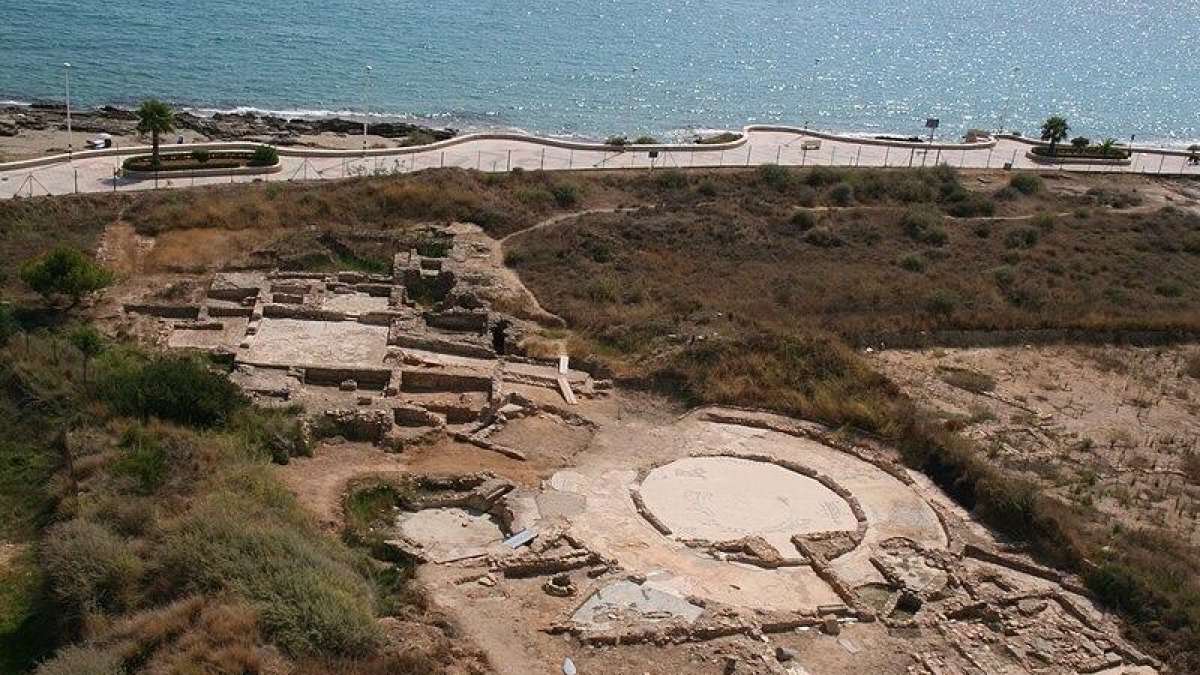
[[197, 160]]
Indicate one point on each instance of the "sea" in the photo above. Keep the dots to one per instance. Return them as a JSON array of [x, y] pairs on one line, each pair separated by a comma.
[[666, 68]]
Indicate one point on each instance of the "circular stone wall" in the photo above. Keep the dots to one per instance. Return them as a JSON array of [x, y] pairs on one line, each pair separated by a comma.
[[725, 498]]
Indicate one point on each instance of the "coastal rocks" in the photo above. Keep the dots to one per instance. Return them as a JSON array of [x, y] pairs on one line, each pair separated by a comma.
[[218, 127]]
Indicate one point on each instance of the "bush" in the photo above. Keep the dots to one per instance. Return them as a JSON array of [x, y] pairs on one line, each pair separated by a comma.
[[913, 262], [971, 206], [842, 194], [76, 660], [201, 155], [279, 434], [308, 596], [806, 196], [823, 237], [645, 140], [672, 179], [65, 271], [1044, 223], [916, 222], [707, 187], [1026, 183], [1021, 237], [804, 220], [142, 459], [775, 176], [935, 236], [178, 389], [89, 568], [618, 141], [265, 155], [565, 196], [1004, 275], [940, 302], [825, 175], [1081, 142]]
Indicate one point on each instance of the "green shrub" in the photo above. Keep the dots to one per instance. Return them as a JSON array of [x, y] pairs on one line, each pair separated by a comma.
[[825, 175], [89, 568], [940, 302], [1026, 183], [935, 236], [804, 220], [1081, 142], [1004, 275], [565, 196], [672, 179], [252, 541], [842, 194], [142, 459], [603, 290], [645, 140], [178, 389], [65, 271], [822, 237], [972, 206], [618, 141], [707, 187], [279, 434], [1021, 237], [776, 176], [913, 262], [915, 222], [806, 196], [201, 155], [265, 155]]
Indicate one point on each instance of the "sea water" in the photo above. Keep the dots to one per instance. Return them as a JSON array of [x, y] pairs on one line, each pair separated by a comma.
[[1114, 68]]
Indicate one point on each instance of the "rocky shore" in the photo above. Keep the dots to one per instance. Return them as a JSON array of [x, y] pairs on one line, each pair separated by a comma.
[[14, 120]]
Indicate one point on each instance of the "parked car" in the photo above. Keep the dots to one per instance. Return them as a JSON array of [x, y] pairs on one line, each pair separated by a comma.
[[100, 141]]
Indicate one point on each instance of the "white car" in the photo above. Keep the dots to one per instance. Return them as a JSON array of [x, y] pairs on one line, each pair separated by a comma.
[[100, 141]]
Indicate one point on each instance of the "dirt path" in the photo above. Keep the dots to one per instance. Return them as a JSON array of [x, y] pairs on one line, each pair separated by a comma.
[[319, 482], [554, 220]]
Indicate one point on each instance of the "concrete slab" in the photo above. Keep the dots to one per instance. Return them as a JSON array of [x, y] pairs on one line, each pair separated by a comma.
[[451, 534], [626, 600], [331, 344], [726, 498], [354, 303]]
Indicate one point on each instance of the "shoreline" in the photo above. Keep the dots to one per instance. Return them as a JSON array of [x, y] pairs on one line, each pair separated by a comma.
[[36, 130], [33, 130]]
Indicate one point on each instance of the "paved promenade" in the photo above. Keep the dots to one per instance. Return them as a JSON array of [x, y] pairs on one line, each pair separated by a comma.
[[88, 172]]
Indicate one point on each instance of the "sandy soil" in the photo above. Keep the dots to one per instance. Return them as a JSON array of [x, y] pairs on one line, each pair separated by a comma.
[[1103, 426]]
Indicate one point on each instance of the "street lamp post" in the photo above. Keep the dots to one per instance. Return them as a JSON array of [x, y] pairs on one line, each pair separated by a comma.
[[1012, 79], [366, 107], [629, 105], [812, 88], [70, 136]]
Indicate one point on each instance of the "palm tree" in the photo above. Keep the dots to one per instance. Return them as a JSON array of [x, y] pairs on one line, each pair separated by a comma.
[[154, 118], [1054, 130]]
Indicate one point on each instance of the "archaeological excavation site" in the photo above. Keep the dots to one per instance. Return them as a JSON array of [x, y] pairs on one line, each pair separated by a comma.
[[565, 524]]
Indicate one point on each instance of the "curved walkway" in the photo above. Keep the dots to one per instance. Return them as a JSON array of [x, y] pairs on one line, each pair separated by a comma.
[[94, 171]]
